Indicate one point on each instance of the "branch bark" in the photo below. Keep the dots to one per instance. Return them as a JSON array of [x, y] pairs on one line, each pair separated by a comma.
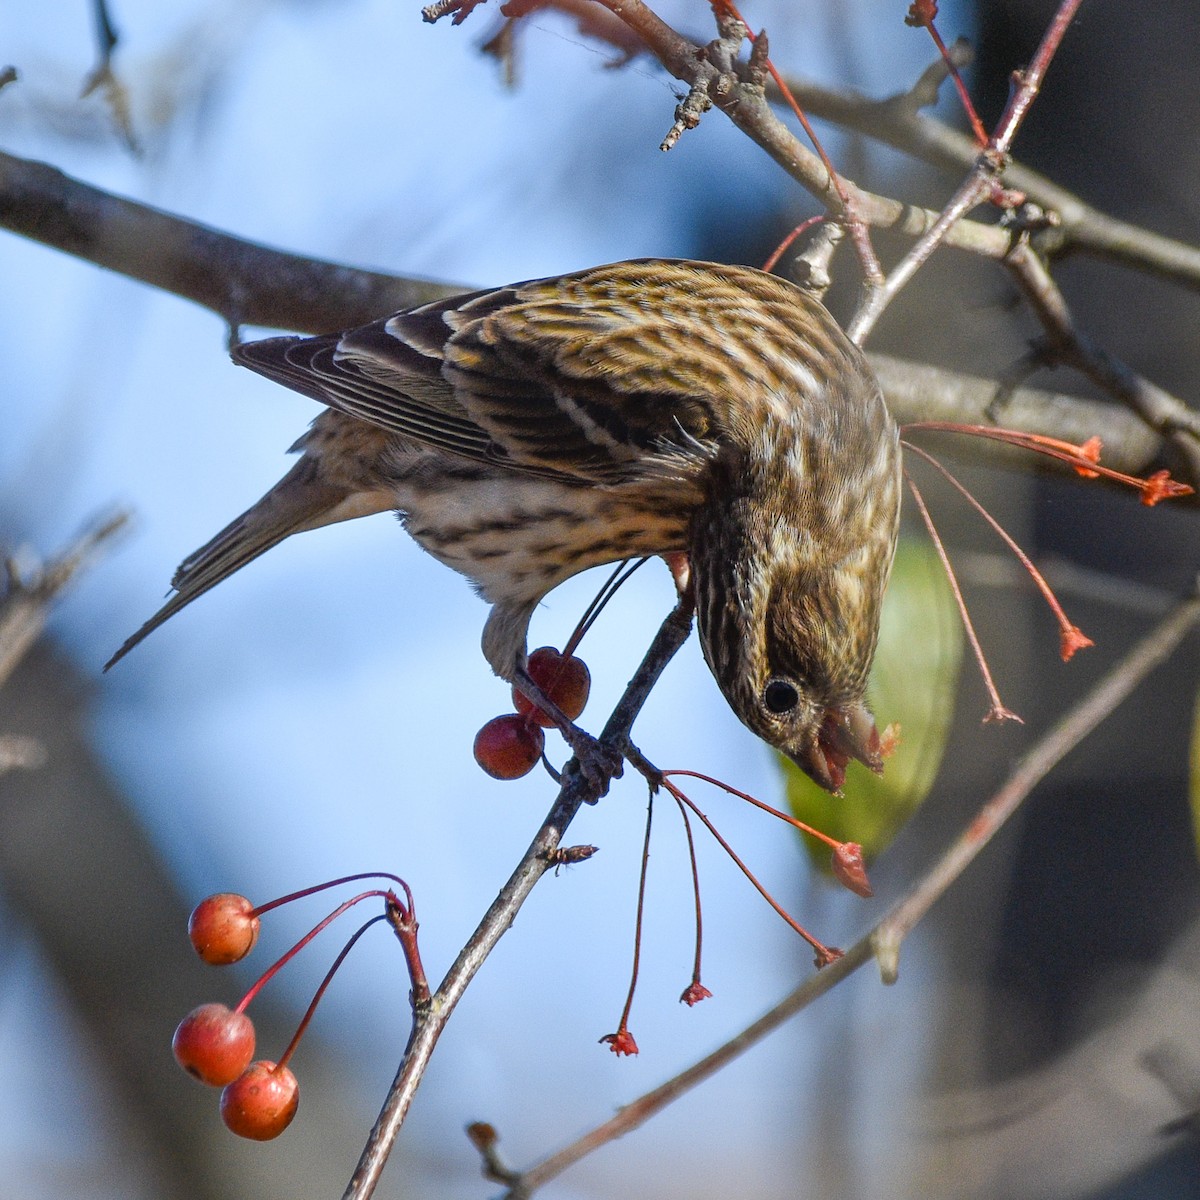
[[243, 282]]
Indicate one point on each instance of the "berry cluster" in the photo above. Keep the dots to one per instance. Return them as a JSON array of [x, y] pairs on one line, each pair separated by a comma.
[[215, 1044], [509, 746]]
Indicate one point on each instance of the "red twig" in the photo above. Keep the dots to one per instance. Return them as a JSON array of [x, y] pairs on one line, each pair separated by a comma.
[[1071, 637], [997, 711], [825, 954]]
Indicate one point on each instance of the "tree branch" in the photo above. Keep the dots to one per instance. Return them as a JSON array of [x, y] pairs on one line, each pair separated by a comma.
[[884, 940], [242, 282], [538, 859], [896, 121], [28, 595]]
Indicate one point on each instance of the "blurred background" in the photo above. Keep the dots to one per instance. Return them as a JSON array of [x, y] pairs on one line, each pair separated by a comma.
[[314, 715]]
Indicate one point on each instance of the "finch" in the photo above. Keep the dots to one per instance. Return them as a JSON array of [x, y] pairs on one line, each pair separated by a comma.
[[528, 432]]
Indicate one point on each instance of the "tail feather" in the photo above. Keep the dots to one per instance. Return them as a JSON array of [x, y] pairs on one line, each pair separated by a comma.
[[299, 501]]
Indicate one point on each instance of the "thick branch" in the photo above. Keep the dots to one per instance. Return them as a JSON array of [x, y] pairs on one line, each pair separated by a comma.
[[243, 282]]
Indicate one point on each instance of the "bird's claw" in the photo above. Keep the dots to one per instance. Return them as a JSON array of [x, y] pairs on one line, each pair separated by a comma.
[[597, 763]]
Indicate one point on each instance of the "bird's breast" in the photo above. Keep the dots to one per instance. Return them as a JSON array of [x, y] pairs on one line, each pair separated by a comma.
[[518, 536]]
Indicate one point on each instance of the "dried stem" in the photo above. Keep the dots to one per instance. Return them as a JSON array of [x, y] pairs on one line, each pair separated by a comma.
[[884, 940]]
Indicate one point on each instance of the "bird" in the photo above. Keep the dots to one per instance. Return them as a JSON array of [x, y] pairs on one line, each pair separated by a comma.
[[713, 414]]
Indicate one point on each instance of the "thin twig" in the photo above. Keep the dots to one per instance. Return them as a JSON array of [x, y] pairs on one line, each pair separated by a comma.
[[883, 941], [26, 607], [744, 102], [898, 122], [983, 180], [538, 859], [1167, 415]]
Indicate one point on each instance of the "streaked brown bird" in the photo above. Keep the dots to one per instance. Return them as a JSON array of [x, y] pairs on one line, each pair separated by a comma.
[[529, 432]]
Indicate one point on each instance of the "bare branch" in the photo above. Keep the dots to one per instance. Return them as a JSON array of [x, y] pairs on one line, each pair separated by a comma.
[[1163, 412], [896, 122], [541, 857], [915, 392], [743, 100], [246, 282], [241, 281], [26, 603]]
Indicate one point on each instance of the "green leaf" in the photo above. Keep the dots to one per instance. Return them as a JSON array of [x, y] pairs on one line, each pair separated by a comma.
[[914, 682]]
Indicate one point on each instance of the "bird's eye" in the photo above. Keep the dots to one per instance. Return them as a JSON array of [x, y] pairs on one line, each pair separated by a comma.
[[781, 696]]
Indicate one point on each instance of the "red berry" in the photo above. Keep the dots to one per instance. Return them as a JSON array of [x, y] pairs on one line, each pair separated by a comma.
[[214, 1044], [223, 928], [508, 747], [565, 680], [261, 1102]]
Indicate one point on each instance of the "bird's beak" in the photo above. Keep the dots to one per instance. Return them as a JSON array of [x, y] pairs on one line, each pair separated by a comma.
[[846, 732]]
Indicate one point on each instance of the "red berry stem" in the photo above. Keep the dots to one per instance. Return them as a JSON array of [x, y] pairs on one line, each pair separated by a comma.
[[312, 1008], [320, 887], [404, 923], [693, 992], [621, 572], [732, 791], [922, 14], [275, 967], [825, 954], [996, 711], [1085, 459], [847, 856], [622, 1041], [1071, 637]]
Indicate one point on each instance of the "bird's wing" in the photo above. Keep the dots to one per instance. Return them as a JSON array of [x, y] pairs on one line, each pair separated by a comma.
[[583, 375], [410, 398]]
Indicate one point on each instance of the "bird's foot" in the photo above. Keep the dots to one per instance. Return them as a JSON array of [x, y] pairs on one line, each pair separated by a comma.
[[597, 763]]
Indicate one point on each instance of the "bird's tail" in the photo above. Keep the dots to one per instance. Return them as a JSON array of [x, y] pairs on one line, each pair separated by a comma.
[[299, 501]]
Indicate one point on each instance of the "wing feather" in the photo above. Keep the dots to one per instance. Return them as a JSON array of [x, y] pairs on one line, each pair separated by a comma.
[[594, 376]]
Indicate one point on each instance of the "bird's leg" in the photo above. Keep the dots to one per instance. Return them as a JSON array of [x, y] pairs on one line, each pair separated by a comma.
[[599, 764]]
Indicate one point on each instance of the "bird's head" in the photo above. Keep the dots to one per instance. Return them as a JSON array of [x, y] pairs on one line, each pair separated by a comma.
[[789, 586]]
